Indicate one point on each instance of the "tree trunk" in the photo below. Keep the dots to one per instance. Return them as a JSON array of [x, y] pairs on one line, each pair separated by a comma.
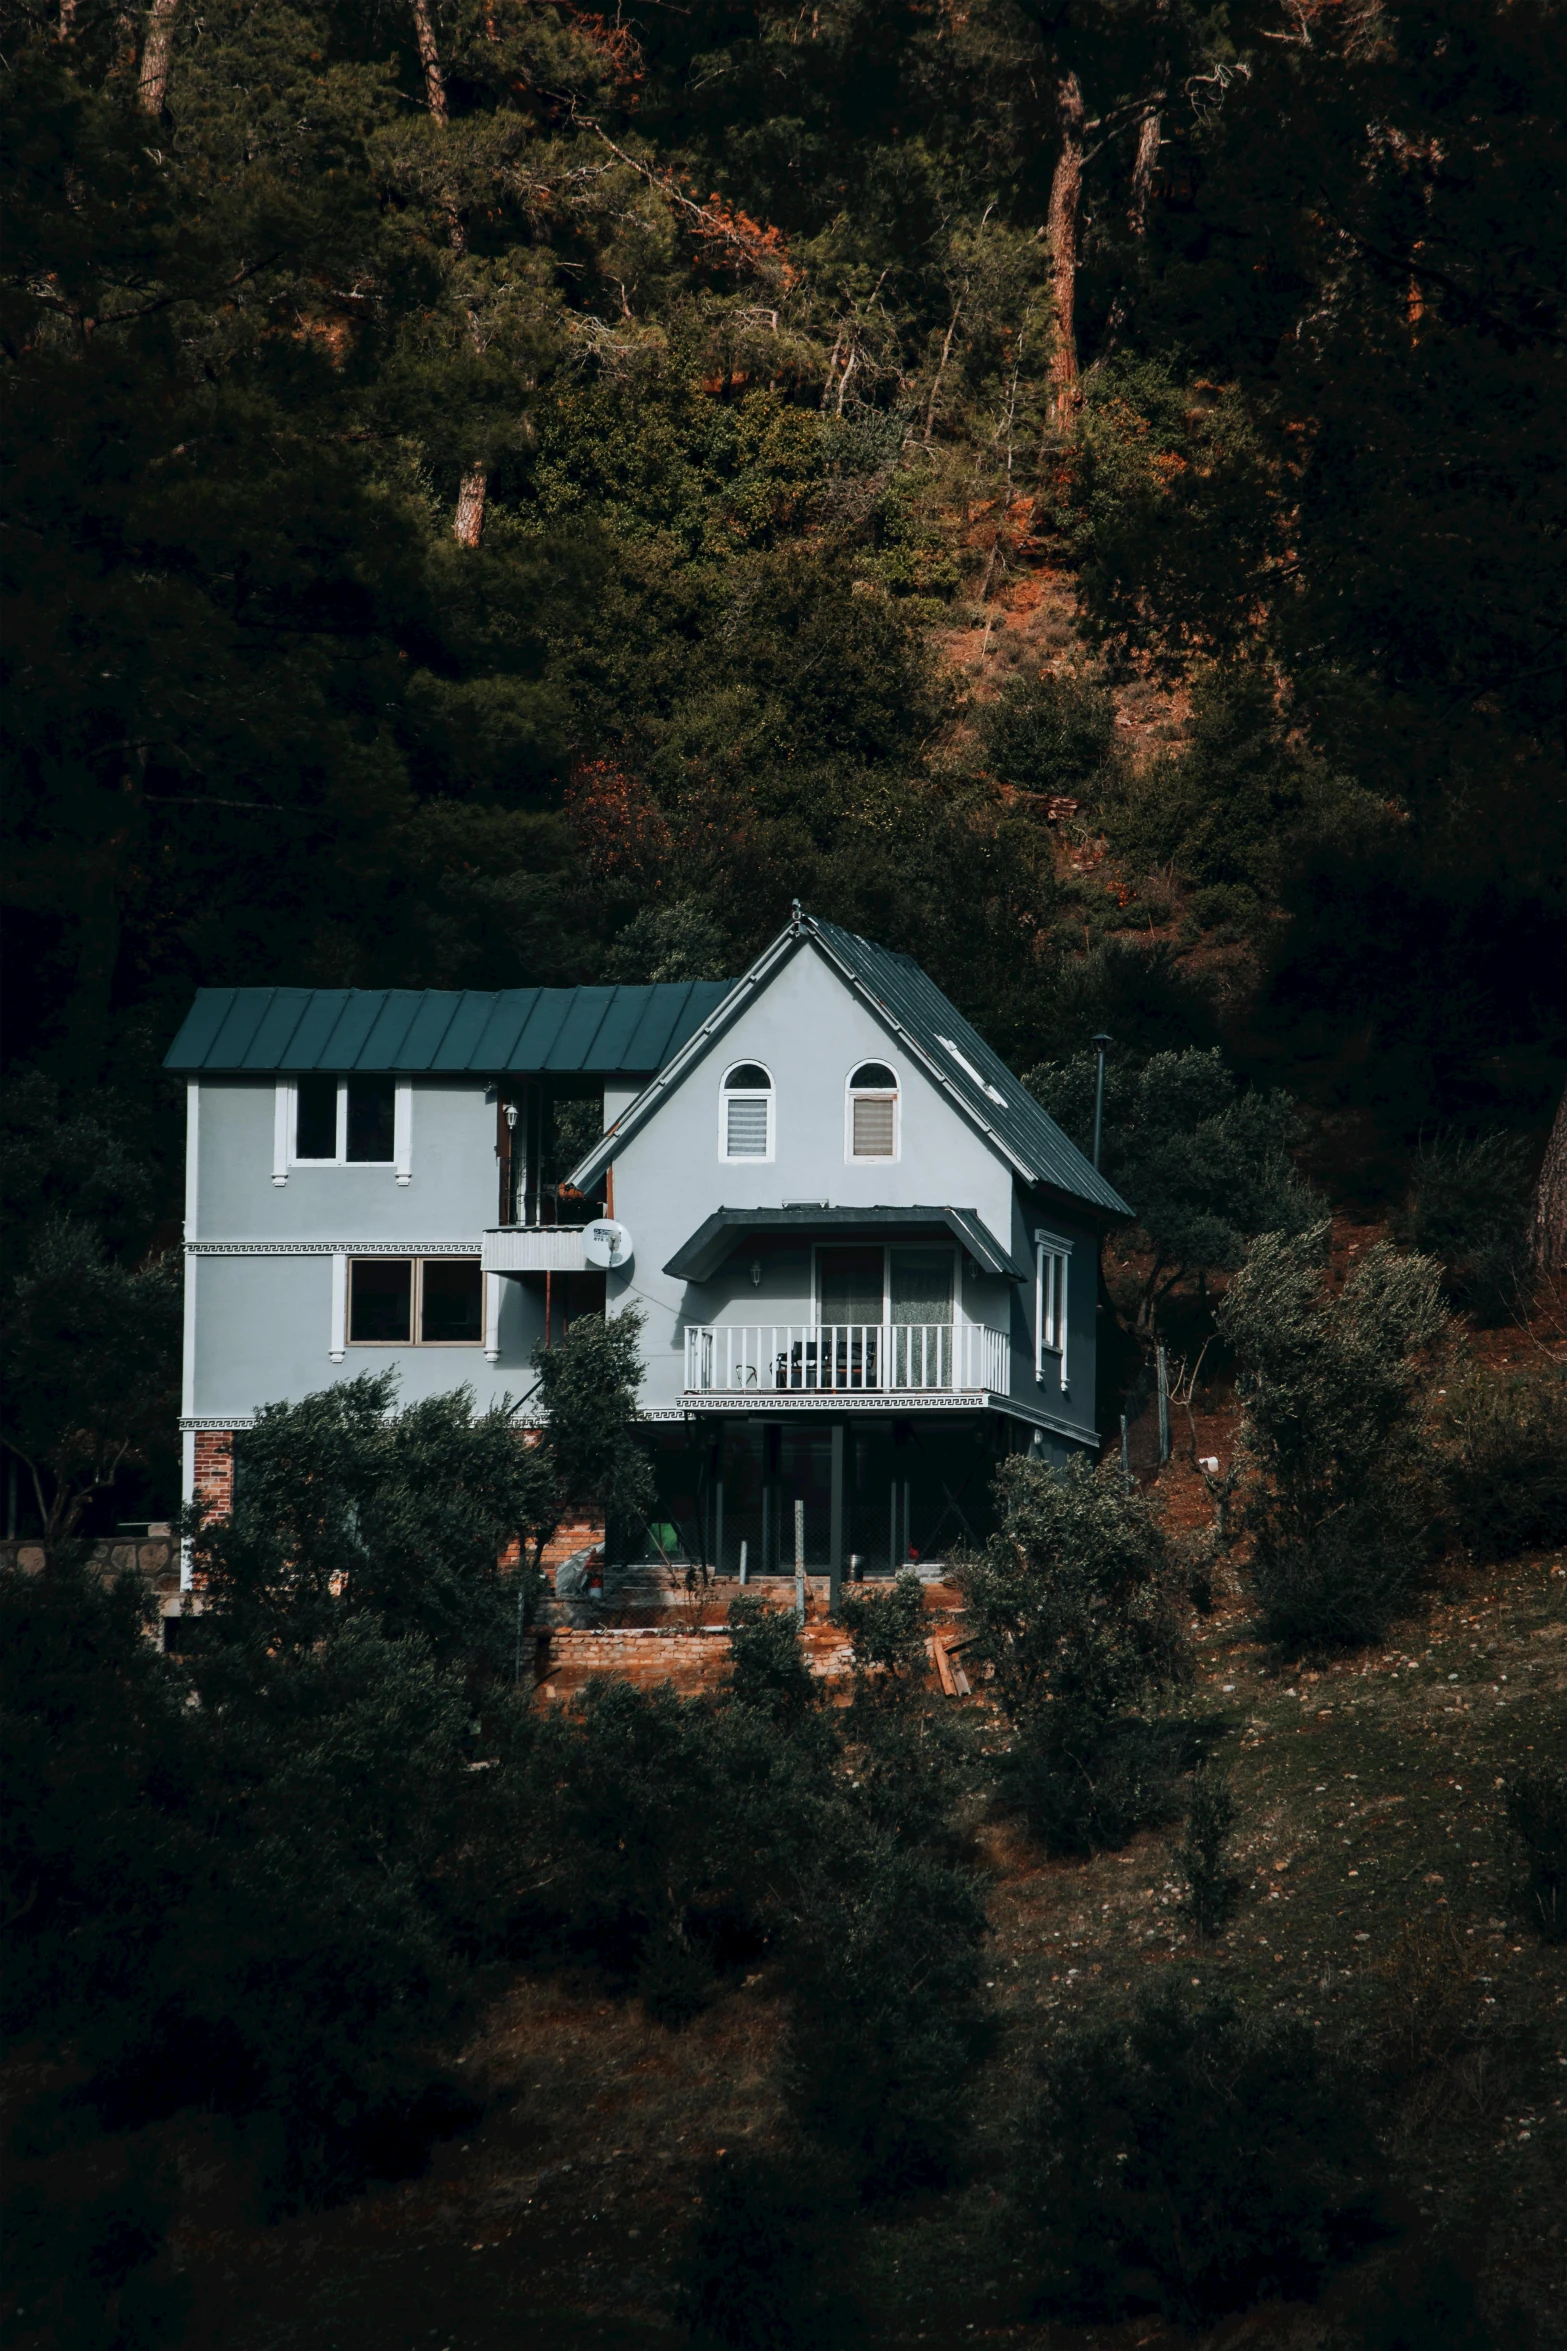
[[1548, 1226], [468, 521], [1066, 200], [430, 59], [470, 506], [156, 53], [1144, 165]]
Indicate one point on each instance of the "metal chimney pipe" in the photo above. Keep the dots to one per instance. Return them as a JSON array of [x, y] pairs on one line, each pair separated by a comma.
[[1101, 1042]]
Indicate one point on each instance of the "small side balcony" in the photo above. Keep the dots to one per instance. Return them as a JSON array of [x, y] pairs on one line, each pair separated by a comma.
[[887, 1361]]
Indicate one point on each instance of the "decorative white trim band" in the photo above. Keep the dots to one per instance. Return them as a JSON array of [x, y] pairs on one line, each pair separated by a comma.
[[382, 1248], [222, 1421]]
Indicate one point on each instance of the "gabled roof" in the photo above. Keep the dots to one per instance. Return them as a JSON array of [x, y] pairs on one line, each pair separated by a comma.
[[697, 1259], [505, 1032], [953, 1054]]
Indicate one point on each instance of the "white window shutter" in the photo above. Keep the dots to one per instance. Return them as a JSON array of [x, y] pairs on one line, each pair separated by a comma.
[[745, 1131], [875, 1126], [403, 1133]]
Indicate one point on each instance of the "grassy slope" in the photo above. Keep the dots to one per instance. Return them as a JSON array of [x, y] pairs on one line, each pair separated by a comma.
[[1380, 1901]]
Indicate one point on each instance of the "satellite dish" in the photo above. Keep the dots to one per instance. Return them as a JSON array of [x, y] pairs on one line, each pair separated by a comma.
[[606, 1244]]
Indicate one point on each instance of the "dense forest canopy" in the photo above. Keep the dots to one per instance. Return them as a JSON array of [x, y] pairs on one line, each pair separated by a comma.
[[500, 493]]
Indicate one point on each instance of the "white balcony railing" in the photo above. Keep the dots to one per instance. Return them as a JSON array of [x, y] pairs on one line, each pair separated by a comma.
[[840, 1358]]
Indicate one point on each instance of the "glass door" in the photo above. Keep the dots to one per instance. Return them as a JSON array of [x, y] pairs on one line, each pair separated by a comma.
[[850, 1303], [920, 1285]]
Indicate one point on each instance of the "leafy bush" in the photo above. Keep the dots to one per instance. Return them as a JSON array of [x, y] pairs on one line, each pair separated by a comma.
[[1468, 1206], [1192, 2158], [1047, 734], [886, 1632], [888, 2015], [664, 1835], [904, 1751], [1213, 1888], [768, 1669], [1341, 1500], [1205, 1166], [1091, 1793], [1506, 1463], [1536, 1798], [177, 1872], [1238, 805], [345, 1506], [1074, 1605], [89, 2264], [749, 2276]]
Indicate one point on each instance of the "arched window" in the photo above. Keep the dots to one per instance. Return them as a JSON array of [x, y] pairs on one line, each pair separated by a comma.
[[873, 1112], [745, 1118]]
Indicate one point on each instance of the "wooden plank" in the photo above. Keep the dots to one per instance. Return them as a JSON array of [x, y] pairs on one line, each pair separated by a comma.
[[938, 1650]]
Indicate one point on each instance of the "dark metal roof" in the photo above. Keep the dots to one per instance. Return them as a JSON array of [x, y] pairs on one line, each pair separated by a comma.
[[911, 1006], [992, 1095], [700, 1257], [565, 1031]]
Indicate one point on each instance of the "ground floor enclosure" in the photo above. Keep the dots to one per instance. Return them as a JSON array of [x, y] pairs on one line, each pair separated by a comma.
[[861, 1496]]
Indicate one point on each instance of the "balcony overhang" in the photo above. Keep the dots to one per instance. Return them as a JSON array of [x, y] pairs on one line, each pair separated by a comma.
[[699, 1258], [522, 1248]]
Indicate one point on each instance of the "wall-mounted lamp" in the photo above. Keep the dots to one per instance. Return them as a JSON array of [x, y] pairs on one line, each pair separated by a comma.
[[756, 1273], [511, 1114]]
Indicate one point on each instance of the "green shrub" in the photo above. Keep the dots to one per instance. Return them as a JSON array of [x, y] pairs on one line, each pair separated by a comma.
[[345, 1505], [1341, 1500], [1213, 1888], [768, 1668], [752, 2273], [1468, 1206], [175, 1873], [1047, 734], [1536, 1798], [664, 1836], [1506, 1464], [886, 1632], [89, 2265], [888, 2016], [1074, 1605], [1206, 1165], [1093, 1795], [1191, 2158]]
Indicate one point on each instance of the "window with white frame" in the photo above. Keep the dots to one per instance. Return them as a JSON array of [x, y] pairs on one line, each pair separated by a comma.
[[745, 1113], [873, 1112], [326, 1121], [1052, 1261]]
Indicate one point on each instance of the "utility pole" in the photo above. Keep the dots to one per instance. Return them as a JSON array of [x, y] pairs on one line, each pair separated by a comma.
[[1101, 1041]]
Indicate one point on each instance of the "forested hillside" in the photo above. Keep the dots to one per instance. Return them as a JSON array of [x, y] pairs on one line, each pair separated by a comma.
[[504, 493], [501, 492]]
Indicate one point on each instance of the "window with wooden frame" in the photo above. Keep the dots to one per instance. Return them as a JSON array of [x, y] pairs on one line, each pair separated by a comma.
[[1052, 1262], [415, 1302], [745, 1113], [873, 1112]]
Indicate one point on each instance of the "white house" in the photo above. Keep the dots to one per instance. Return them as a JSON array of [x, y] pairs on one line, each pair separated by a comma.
[[866, 1259]]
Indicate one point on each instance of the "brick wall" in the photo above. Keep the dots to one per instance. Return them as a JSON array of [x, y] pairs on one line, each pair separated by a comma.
[[694, 1658], [215, 1470], [581, 1536]]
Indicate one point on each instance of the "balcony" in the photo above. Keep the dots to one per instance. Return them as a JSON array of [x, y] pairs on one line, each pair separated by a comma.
[[525, 1248], [893, 1363]]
